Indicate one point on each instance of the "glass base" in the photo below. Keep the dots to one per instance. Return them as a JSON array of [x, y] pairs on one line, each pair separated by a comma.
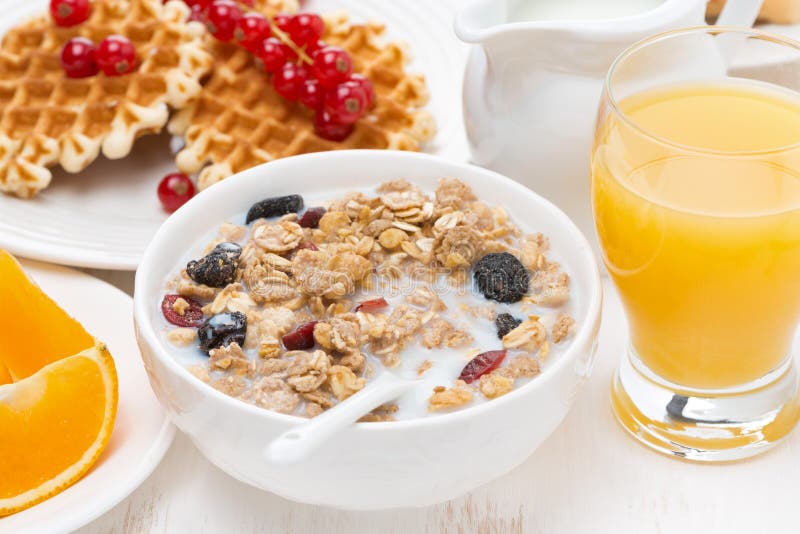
[[706, 426]]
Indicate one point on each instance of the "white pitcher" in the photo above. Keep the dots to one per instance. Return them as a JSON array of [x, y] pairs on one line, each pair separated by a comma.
[[532, 86]]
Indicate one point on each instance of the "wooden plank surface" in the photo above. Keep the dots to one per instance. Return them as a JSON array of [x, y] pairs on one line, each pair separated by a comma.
[[588, 477]]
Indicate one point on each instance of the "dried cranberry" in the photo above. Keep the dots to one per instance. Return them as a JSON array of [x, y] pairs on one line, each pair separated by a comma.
[[307, 245], [372, 305], [192, 316], [301, 338], [481, 364], [311, 217]]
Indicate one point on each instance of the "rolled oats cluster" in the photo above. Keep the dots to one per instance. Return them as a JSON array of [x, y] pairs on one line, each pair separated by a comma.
[[295, 311]]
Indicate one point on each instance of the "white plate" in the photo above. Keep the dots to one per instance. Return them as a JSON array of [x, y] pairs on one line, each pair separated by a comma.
[[105, 216], [142, 433]]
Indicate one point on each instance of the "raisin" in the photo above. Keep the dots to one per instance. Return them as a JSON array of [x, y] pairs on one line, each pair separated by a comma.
[[501, 276], [311, 217], [221, 330], [218, 267], [505, 323], [301, 338], [483, 363], [274, 207], [192, 316], [372, 305]]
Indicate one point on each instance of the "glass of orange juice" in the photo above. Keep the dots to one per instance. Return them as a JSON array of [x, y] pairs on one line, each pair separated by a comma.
[[696, 197]]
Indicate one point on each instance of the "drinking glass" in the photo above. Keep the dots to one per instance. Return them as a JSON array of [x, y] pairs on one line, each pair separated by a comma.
[[696, 199]]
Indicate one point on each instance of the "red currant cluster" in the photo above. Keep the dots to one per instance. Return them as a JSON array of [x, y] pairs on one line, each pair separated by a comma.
[[115, 55], [303, 67]]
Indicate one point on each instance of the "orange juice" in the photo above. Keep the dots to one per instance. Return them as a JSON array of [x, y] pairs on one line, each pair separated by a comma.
[[699, 222]]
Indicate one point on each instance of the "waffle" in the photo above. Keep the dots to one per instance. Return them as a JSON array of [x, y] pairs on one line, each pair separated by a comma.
[[778, 11], [240, 121], [47, 118]]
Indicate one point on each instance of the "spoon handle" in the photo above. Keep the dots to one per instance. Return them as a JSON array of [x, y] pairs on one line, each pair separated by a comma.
[[299, 442]]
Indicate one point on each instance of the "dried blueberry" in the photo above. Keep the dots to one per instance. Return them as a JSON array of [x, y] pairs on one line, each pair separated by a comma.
[[311, 217], [274, 207], [505, 323], [218, 267], [221, 330], [501, 276]]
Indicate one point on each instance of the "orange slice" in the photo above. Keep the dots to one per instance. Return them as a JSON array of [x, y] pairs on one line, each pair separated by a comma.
[[34, 330], [5, 376], [54, 425]]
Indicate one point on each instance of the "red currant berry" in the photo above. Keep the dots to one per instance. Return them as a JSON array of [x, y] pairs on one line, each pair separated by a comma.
[[311, 94], [116, 55], [272, 53], [69, 12], [251, 29], [332, 66], [221, 19], [314, 46], [346, 102], [327, 127], [366, 85], [78, 58], [174, 191], [305, 28], [289, 80], [201, 4], [281, 20]]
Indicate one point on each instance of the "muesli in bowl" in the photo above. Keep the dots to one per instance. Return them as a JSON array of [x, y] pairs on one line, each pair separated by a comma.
[[293, 307], [428, 456]]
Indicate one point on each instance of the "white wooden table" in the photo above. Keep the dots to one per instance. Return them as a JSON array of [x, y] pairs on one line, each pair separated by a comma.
[[588, 477]]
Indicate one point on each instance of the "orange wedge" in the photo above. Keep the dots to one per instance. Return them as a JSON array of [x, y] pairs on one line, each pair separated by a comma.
[[34, 330], [55, 424], [5, 376], [58, 394]]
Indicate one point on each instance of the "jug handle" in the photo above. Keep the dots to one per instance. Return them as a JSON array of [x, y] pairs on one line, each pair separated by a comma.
[[739, 13]]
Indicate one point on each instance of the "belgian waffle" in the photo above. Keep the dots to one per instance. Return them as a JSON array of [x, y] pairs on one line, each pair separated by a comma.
[[47, 118], [239, 120]]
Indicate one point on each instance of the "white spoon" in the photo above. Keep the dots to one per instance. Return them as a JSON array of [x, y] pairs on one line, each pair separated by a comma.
[[301, 441]]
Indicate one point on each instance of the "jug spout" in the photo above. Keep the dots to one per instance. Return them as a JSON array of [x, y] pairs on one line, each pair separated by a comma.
[[473, 23]]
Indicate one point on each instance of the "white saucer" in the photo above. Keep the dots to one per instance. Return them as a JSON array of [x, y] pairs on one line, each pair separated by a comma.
[[142, 433], [104, 216]]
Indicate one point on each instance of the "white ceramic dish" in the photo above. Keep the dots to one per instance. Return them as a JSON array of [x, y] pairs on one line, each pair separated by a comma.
[[104, 216], [371, 465], [142, 433]]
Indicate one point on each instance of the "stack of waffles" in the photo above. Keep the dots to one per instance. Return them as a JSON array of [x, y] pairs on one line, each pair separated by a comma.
[[240, 121], [47, 118], [226, 109]]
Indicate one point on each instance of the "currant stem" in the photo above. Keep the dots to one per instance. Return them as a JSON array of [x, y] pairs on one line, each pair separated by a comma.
[[285, 39]]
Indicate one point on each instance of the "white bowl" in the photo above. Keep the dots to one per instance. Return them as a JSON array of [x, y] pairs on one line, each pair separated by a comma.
[[370, 465]]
